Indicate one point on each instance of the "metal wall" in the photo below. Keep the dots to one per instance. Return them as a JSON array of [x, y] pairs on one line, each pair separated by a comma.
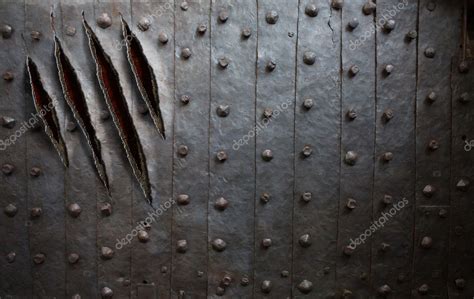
[[314, 149]]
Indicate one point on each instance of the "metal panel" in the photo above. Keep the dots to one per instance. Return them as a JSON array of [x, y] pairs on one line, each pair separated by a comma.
[[317, 148], [15, 277], [461, 251], [46, 171], [113, 231], [277, 36], [151, 260], [357, 150], [81, 181], [232, 188], [191, 164], [394, 181]]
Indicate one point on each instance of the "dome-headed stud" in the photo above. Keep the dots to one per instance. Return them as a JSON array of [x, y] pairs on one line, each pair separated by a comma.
[[387, 156], [226, 280], [10, 210], [267, 112], [11, 257], [430, 52], [271, 66], [73, 258], [346, 293], [423, 289], [70, 31], [463, 67], [443, 213], [223, 110], [6, 31], [266, 286], [351, 114], [308, 103], [183, 199], [463, 184], [104, 20], [387, 199], [184, 6], [388, 69], [351, 204], [433, 145], [106, 292], [39, 258], [350, 158], [221, 204], [337, 4], [464, 98], [244, 281], [348, 250], [183, 150], [353, 23], [369, 8], [7, 122], [266, 243], [246, 32], [74, 210], [306, 196], [426, 242], [429, 191], [219, 244], [431, 97], [389, 25], [223, 62], [271, 17], [267, 155], [305, 286], [305, 240], [309, 57], [265, 197], [71, 126], [307, 151], [220, 291], [36, 212], [8, 76], [7, 169], [143, 236], [182, 246], [35, 172], [106, 253], [144, 24], [186, 53], [76, 296], [223, 16], [460, 283], [163, 37], [284, 273], [354, 70], [221, 156], [411, 35], [387, 115], [384, 247], [384, 290], [311, 10], [202, 28], [106, 209]]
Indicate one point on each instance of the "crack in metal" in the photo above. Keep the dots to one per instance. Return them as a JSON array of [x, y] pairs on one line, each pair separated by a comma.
[[45, 109], [144, 76], [109, 81], [75, 98]]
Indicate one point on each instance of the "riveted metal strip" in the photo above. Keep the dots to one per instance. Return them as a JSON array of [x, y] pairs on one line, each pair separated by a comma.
[[317, 148], [15, 277], [461, 250], [115, 231], [151, 259], [191, 150], [277, 36], [81, 180], [430, 252], [357, 151], [46, 172], [394, 180], [233, 33]]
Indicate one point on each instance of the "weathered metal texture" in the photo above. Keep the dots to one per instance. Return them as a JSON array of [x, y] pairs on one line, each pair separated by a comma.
[[82, 183], [232, 119], [431, 251], [191, 167], [277, 36], [394, 181], [151, 260], [46, 172], [15, 276], [461, 250], [357, 151], [317, 148], [115, 230]]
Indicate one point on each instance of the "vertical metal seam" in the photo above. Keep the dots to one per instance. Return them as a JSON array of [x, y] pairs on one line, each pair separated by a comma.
[[340, 138], [255, 155], [209, 20], [132, 193]]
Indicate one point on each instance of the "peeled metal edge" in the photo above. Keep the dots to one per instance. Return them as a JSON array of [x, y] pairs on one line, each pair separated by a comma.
[[92, 141], [155, 113], [35, 80], [141, 173]]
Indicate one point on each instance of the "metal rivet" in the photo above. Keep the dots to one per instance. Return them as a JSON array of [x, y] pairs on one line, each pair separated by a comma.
[[305, 286], [106, 292], [463, 184], [305, 240], [387, 199], [346, 293], [39, 258], [221, 204], [223, 16], [8, 76], [426, 242], [7, 169], [267, 112], [74, 210], [389, 25], [354, 70], [351, 158], [220, 291], [244, 281], [460, 283], [71, 126], [284, 273], [429, 190], [384, 247], [183, 199], [246, 32], [311, 10], [464, 98], [388, 69], [266, 286], [337, 4], [308, 103], [351, 114], [70, 31], [143, 236], [104, 21], [266, 243], [431, 5], [76, 296], [387, 156], [353, 23], [307, 151], [443, 213], [226, 280], [348, 250], [186, 53], [221, 156], [431, 97], [223, 62], [199, 273], [430, 52], [185, 99], [36, 212], [144, 24], [265, 197], [387, 115], [309, 58], [183, 150], [163, 37], [223, 110], [351, 204], [433, 145], [411, 35], [106, 209], [271, 65], [384, 290], [11, 257], [463, 67], [35, 172], [6, 30], [184, 5], [104, 115], [423, 289], [182, 246], [73, 258], [106, 253], [164, 269], [369, 8], [271, 17], [219, 244], [306, 196], [36, 35], [401, 277], [267, 155], [202, 28], [10, 210]]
